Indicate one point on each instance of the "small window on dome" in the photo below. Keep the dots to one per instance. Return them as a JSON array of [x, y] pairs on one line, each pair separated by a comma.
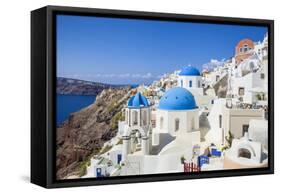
[[190, 83]]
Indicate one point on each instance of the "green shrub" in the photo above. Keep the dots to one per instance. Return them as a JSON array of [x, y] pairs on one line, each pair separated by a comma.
[[105, 149], [84, 164], [120, 141], [183, 159], [83, 171], [114, 121]]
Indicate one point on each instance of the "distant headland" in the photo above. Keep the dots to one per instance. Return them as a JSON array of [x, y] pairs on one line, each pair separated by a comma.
[[70, 86]]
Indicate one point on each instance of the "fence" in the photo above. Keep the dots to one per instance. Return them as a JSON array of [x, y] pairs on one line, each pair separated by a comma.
[[191, 167]]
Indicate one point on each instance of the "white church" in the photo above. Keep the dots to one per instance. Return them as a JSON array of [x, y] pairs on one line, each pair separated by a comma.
[[146, 150], [190, 78]]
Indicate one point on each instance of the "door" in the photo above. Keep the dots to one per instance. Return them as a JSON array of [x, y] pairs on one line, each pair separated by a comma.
[[119, 158], [99, 172], [244, 129]]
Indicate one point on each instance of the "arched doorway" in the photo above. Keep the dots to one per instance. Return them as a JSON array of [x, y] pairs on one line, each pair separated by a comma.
[[135, 139], [244, 153]]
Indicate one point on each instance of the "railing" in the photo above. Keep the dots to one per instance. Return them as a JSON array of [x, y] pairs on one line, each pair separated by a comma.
[[191, 167]]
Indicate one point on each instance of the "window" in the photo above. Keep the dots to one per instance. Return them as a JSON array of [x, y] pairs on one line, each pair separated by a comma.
[[245, 48], [192, 124], [144, 117], [181, 83], [153, 123], [190, 83], [135, 117], [161, 122], [241, 50], [217, 78], [177, 124], [245, 129], [222, 136], [262, 75], [198, 84], [241, 91], [220, 121], [252, 66], [244, 153], [229, 102]]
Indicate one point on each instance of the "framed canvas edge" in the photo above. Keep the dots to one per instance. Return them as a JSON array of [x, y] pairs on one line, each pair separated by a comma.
[[51, 181]]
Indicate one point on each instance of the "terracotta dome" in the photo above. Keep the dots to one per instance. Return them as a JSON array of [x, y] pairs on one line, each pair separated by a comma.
[[245, 42]]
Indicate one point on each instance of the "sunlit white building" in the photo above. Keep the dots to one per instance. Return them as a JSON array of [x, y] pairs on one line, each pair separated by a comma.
[[191, 79], [158, 150]]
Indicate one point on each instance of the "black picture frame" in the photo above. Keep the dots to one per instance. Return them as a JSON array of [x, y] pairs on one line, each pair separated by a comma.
[[43, 84]]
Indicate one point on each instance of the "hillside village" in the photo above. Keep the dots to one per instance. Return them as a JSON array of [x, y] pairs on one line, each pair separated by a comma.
[[192, 121]]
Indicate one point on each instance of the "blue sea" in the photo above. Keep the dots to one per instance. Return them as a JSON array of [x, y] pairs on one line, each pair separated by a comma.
[[67, 104]]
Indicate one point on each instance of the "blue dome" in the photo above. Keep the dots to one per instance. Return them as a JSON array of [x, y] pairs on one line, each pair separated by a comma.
[[189, 71], [177, 99], [138, 101]]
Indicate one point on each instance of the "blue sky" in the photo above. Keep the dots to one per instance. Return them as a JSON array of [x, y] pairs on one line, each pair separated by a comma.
[[130, 51]]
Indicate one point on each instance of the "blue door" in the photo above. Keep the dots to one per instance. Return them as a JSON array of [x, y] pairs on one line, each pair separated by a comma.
[[203, 160], [119, 158], [99, 172]]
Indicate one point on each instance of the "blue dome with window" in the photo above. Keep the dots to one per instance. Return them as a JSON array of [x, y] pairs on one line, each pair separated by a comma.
[[177, 99], [189, 71], [138, 101]]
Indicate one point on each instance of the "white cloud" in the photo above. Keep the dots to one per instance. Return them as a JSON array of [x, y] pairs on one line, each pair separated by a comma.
[[124, 75], [109, 75], [213, 63], [147, 76], [136, 75], [112, 75]]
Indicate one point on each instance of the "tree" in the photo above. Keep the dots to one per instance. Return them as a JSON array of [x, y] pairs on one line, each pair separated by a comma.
[[229, 138], [183, 159]]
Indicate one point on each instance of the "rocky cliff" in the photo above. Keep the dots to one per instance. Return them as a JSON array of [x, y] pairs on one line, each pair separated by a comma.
[[85, 132], [80, 87]]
